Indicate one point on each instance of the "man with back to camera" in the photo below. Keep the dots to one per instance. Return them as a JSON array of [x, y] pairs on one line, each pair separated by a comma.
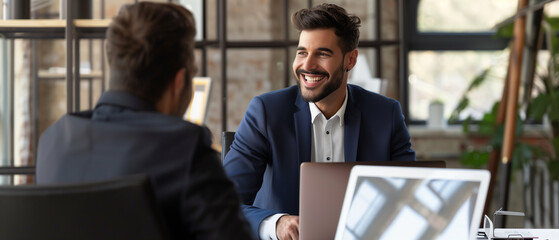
[[137, 127], [323, 119]]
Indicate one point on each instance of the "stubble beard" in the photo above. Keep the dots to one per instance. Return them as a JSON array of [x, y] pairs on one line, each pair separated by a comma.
[[334, 82]]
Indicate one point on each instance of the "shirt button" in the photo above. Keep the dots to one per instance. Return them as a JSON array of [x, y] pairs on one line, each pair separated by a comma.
[[327, 132], [328, 158]]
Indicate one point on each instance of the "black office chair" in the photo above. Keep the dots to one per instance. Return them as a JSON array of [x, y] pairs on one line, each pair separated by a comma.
[[124, 208], [226, 140]]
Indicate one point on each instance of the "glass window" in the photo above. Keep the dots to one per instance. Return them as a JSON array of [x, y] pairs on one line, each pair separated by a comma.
[[21, 179], [389, 68], [251, 72], [389, 20], [552, 9], [445, 75], [462, 16], [5, 179], [17, 179], [247, 21], [294, 5], [211, 19], [366, 11]]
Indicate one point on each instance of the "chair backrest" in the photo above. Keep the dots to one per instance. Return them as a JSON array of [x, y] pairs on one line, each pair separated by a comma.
[[123, 208], [226, 140]]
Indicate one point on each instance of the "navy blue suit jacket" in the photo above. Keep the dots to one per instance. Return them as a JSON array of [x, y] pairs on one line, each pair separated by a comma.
[[275, 137]]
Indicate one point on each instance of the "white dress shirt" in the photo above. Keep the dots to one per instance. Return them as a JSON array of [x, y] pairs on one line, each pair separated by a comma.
[[328, 135], [327, 146]]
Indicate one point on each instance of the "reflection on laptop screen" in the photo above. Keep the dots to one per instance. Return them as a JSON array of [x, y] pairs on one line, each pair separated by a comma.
[[388, 207]]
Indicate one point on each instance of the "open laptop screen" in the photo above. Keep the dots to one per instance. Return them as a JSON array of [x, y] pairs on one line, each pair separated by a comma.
[[419, 203]]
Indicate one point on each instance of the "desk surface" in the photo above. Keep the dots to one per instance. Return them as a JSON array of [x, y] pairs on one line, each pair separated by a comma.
[[540, 233]]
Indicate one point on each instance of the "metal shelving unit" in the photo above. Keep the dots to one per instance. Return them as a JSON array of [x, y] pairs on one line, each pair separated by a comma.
[[35, 29]]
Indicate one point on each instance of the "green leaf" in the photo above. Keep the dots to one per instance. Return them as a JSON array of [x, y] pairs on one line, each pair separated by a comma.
[[479, 79], [496, 140], [475, 158], [505, 31], [464, 100], [487, 124], [553, 22], [553, 167], [518, 128], [466, 124], [454, 117], [550, 26], [495, 108], [538, 107], [553, 113], [521, 154]]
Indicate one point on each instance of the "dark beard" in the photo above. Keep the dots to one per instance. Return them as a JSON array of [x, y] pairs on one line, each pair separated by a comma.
[[331, 86]]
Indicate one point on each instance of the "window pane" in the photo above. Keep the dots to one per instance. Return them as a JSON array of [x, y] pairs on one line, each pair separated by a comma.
[[290, 59], [17, 179], [23, 119], [365, 71], [112, 7], [389, 20], [294, 5], [366, 11], [247, 21], [389, 64], [4, 102], [552, 9], [251, 72], [445, 76], [462, 16], [211, 19], [23, 179], [5, 180]]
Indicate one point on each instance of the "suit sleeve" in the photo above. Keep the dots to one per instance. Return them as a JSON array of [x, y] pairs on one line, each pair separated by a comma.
[[400, 142], [246, 161], [211, 206]]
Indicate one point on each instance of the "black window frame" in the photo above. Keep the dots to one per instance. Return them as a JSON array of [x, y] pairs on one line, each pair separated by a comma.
[[438, 41]]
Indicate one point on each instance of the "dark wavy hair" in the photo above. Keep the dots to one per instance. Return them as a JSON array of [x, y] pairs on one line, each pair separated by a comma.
[[147, 43], [330, 16]]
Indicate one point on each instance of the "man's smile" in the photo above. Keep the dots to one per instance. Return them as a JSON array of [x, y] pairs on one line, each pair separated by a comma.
[[312, 79]]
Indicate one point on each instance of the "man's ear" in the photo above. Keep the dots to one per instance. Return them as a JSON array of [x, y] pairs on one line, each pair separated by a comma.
[[352, 59], [179, 82]]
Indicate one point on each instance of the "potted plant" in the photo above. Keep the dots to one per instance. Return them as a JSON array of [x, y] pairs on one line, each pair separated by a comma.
[[545, 106]]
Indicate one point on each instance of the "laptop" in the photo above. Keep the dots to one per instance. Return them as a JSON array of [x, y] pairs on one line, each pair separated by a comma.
[[322, 190], [412, 203]]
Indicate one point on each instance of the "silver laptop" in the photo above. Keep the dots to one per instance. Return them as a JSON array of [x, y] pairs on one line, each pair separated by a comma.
[[322, 190], [412, 203]]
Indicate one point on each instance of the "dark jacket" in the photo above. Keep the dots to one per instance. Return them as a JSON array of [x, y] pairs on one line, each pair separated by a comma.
[[124, 135]]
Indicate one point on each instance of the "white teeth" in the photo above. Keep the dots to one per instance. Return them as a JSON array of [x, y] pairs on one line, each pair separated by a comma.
[[312, 79]]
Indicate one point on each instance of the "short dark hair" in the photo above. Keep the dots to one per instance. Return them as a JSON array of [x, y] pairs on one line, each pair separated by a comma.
[[147, 43], [330, 16]]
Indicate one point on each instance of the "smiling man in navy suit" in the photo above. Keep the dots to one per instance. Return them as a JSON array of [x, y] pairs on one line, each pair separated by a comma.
[[322, 119]]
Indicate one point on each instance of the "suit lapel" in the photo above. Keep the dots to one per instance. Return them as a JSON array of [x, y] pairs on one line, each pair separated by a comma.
[[302, 122], [352, 122]]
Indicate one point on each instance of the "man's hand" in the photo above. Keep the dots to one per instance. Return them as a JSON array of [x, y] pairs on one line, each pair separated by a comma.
[[287, 227]]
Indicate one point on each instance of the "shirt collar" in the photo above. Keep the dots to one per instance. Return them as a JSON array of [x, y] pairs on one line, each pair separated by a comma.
[[315, 112], [124, 99]]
